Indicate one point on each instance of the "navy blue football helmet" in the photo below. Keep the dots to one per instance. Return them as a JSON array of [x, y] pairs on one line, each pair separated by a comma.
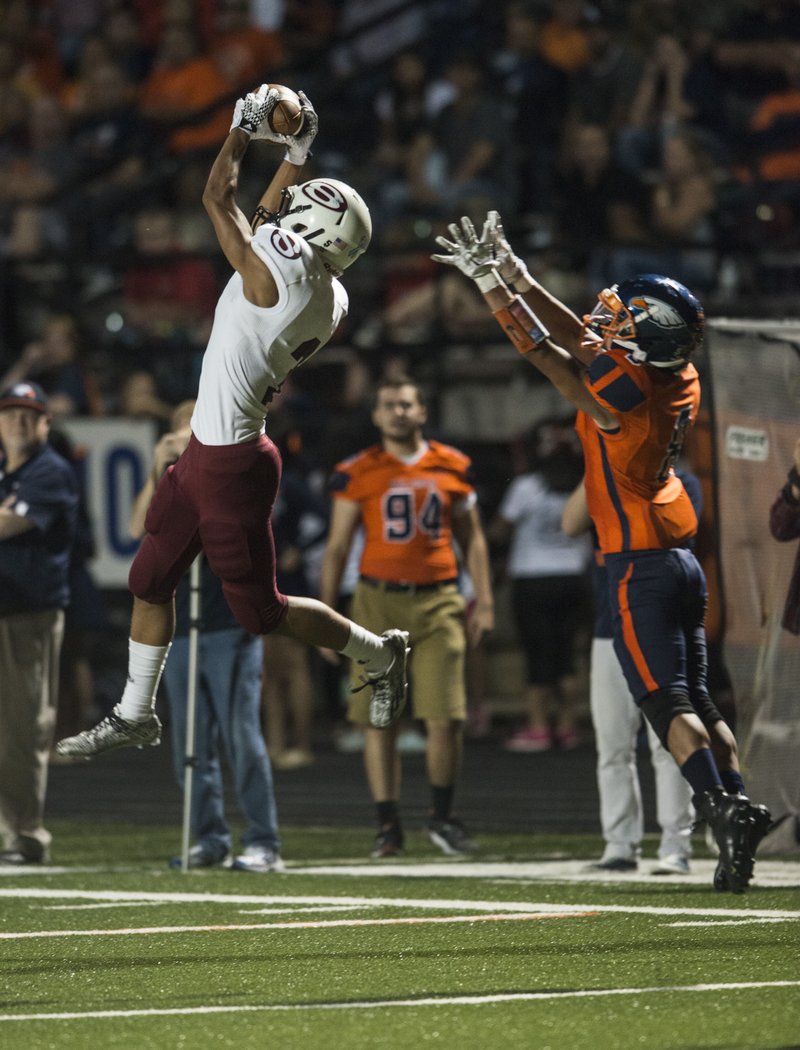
[[656, 319]]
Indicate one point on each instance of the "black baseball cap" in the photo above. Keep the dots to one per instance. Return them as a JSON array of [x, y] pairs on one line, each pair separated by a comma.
[[24, 395]]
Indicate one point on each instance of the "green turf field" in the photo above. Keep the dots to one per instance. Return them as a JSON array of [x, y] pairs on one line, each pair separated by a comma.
[[519, 948]]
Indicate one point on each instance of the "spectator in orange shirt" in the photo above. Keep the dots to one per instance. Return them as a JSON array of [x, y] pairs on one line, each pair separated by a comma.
[[181, 86], [563, 40], [245, 54], [776, 153]]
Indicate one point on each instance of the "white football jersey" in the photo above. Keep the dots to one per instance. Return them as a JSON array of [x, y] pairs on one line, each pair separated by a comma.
[[252, 349]]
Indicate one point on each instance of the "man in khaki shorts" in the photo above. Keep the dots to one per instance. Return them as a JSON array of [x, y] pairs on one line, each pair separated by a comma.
[[413, 498]]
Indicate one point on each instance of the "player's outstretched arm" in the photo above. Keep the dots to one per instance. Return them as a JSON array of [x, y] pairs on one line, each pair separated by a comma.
[[219, 199], [475, 258], [234, 232]]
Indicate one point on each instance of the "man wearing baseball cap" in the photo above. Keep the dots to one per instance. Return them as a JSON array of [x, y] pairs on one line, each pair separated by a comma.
[[38, 505]]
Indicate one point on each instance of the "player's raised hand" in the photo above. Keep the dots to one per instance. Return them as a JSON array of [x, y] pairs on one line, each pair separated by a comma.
[[251, 113], [510, 267], [472, 255], [297, 146]]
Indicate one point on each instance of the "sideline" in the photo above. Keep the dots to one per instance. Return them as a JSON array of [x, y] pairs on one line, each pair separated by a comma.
[[773, 874]]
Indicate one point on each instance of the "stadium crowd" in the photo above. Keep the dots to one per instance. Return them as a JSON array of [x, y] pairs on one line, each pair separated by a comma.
[[649, 136], [615, 137]]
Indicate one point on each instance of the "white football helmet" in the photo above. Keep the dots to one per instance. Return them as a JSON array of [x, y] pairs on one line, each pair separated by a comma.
[[331, 216]]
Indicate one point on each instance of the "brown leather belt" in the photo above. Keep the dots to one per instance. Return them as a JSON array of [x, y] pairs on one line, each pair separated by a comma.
[[404, 588]]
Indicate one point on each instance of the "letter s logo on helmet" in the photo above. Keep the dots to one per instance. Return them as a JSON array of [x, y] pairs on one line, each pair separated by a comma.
[[331, 216]]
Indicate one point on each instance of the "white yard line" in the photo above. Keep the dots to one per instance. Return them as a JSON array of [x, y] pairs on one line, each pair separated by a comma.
[[313, 924], [417, 904], [783, 874], [733, 922], [451, 1000]]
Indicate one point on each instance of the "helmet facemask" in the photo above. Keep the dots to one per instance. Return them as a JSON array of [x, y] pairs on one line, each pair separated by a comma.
[[610, 323]]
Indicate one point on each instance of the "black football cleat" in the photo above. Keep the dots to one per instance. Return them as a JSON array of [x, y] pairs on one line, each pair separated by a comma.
[[729, 818], [760, 823]]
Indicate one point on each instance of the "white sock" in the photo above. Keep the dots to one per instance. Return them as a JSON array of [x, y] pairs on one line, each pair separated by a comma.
[[145, 664], [368, 649]]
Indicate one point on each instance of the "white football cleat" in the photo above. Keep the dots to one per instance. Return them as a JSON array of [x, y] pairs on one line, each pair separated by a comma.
[[108, 735]]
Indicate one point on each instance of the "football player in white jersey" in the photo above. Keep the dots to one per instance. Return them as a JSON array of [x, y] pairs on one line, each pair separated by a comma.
[[282, 303]]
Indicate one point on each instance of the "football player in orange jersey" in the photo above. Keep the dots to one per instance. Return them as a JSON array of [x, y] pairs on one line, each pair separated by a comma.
[[412, 497], [626, 368]]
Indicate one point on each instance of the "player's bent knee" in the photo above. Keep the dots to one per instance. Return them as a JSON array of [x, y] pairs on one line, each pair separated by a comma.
[[257, 613], [146, 583], [660, 707], [723, 742]]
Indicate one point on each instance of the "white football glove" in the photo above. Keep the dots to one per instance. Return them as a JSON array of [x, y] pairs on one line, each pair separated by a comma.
[[510, 267], [474, 257], [298, 146], [251, 112]]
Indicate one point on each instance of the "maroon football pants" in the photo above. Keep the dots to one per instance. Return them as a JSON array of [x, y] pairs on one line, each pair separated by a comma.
[[218, 499]]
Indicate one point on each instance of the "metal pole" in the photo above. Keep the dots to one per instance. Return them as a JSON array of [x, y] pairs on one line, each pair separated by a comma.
[[190, 758]]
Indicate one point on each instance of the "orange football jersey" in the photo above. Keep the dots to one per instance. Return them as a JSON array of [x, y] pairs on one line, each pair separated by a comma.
[[406, 510], [635, 500]]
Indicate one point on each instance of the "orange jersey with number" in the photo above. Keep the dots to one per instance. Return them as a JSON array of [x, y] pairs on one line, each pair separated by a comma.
[[635, 500], [406, 510]]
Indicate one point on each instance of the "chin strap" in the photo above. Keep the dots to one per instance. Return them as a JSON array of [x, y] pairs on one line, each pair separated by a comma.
[[261, 216]]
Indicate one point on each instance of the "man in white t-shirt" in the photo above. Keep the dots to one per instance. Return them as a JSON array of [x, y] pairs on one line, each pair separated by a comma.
[[283, 303]]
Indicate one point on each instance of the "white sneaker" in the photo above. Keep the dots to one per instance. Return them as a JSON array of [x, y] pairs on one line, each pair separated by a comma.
[[108, 735], [673, 864], [390, 688], [293, 758], [260, 859], [349, 741], [411, 742]]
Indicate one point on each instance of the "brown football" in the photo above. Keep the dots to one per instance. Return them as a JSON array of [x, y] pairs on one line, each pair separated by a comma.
[[287, 117]]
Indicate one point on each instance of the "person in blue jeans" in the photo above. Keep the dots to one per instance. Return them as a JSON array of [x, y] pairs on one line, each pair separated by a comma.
[[228, 706]]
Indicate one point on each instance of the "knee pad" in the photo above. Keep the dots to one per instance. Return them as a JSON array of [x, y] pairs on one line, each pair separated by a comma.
[[257, 609], [228, 550], [147, 581], [660, 707]]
